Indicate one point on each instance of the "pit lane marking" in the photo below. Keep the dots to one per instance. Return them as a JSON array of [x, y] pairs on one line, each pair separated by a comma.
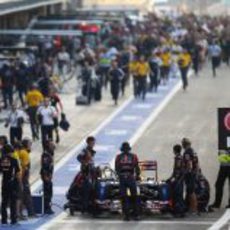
[[219, 224], [142, 106], [104, 148], [157, 222], [153, 95], [116, 132], [130, 118]]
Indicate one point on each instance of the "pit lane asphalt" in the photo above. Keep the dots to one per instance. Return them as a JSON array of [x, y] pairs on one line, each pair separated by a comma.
[[192, 114]]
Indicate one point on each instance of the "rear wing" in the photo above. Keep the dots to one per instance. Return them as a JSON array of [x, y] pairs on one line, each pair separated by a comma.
[[149, 166]]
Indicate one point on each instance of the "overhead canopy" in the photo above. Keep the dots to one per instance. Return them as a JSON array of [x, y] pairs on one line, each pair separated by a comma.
[[16, 6], [109, 9], [68, 22], [86, 16], [17, 48], [42, 32]]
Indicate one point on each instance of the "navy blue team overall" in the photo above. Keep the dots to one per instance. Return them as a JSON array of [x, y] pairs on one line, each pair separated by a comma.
[[10, 170], [127, 168]]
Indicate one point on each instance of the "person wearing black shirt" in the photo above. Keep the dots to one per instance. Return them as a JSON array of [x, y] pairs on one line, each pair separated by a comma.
[[116, 75], [196, 59], [9, 167], [21, 76], [86, 158], [191, 170], [124, 65], [3, 143], [176, 181], [55, 101], [88, 153], [154, 64], [47, 174], [7, 78], [128, 171]]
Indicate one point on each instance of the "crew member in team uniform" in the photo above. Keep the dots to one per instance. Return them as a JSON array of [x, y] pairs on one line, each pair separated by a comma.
[[86, 158], [9, 167], [184, 64], [128, 171], [46, 173], [191, 170]]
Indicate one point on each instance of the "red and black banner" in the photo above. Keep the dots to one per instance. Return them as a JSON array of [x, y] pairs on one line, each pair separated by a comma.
[[223, 128]]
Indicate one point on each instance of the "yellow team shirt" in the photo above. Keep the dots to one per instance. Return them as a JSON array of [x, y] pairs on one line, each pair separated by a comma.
[[24, 158], [133, 67], [34, 98], [184, 60], [166, 58], [142, 68], [15, 155]]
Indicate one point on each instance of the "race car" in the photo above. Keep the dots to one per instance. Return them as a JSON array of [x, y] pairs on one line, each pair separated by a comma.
[[153, 196]]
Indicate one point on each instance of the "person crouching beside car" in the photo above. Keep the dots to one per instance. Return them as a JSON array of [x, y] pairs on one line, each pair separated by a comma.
[[86, 158]]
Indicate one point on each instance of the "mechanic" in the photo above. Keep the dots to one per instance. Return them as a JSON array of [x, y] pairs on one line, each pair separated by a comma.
[[87, 154], [191, 170], [47, 174], [3, 143], [10, 169], [127, 168], [176, 181], [86, 158], [224, 173], [24, 159]]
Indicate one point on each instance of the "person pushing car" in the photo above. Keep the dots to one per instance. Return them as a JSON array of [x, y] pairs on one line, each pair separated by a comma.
[[128, 171]]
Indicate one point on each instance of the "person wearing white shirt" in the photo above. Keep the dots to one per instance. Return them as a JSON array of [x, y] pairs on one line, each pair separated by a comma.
[[63, 61], [215, 54], [46, 114], [15, 121]]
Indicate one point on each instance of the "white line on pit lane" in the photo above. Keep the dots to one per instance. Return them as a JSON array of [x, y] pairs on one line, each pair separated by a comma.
[[60, 190], [130, 118], [116, 132], [222, 221], [103, 148], [163, 87], [142, 106], [153, 95], [73, 167], [79, 221]]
